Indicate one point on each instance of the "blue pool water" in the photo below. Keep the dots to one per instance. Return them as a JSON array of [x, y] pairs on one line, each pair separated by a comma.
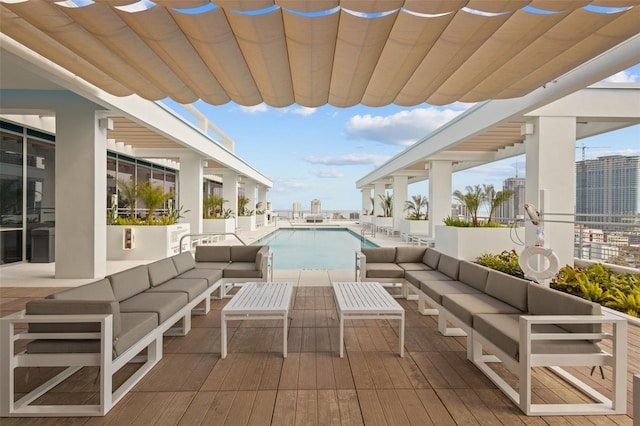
[[313, 248]]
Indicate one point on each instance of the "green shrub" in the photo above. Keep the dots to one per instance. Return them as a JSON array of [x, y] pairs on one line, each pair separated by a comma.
[[506, 262], [461, 223]]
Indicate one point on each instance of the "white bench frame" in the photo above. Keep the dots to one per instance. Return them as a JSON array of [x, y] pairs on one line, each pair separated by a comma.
[[554, 362], [10, 360]]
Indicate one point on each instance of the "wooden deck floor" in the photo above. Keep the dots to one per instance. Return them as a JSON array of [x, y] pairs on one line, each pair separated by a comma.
[[433, 384]]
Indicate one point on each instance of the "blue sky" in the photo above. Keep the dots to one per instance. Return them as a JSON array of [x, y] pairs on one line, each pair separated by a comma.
[[320, 152]]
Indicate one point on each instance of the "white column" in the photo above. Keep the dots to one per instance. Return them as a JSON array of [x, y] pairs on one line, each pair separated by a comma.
[[400, 195], [262, 198], [366, 198], [250, 193], [439, 193], [81, 192], [550, 168], [230, 191], [190, 190], [378, 192]]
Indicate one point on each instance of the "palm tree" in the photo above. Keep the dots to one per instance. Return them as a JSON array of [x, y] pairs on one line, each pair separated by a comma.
[[495, 199], [386, 202], [153, 197], [472, 200], [415, 205], [242, 206], [130, 191], [213, 205]]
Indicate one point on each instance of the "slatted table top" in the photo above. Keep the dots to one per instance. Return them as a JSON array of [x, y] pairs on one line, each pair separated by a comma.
[[364, 297], [261, 297]]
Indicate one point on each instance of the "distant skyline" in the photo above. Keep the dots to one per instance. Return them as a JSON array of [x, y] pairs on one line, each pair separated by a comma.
[[321, 152]]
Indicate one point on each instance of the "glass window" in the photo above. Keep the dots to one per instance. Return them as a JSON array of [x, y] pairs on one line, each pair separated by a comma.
[[11, 177]]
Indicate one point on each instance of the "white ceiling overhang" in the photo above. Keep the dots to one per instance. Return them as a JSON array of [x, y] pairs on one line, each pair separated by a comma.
[[316, 52]]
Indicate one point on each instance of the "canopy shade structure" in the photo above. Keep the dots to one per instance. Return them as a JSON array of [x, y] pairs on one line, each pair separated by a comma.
[[317, 52]]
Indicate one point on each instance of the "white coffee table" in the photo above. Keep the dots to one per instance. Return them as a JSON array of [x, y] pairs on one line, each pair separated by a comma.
[[366, 300], [258, 301]]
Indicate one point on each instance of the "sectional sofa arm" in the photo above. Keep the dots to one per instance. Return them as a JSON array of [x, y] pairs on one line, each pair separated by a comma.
[[360, 265]]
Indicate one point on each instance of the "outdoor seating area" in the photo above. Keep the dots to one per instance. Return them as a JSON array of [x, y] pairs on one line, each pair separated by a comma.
[[509, 317]]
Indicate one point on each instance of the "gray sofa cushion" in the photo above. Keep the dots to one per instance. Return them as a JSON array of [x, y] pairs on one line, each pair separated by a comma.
[[419, 266], [244, 253], [183, 262], [546, 301], [416, 277], [409, 254], [242, 270], [503, 330], [192, 287], [212, 265], [465, 306], [509, 289], [161, 271], [379, 254], [72, 306], [98, 290], [473, 274], [384, 270], [135, 325], [211, 275], [213, 254], [128, 283], [431, 258], [449, 266], [436, 289], [163, 304]]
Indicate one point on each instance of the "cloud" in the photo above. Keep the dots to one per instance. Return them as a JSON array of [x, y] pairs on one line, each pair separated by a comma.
[[347, 160], [289, 186], [254, 109], [327, 173], [623, 77], [402, 128], [304, 111]]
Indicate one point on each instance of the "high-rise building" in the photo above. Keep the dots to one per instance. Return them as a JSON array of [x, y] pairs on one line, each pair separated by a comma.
[[513, 208], [607, 186], [297, 210], [315, 206]]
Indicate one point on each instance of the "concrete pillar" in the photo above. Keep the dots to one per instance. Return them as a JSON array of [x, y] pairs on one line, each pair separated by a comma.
[[81, 192], [400, 196], [439, 193], [366, 199], [550, 171], [262, 198], [250, 193], [190, 190], [378, 192], [230, 191]]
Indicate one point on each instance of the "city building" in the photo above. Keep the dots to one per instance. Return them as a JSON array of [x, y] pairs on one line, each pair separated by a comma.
[[297, 210], [513, 208], [315, 206]]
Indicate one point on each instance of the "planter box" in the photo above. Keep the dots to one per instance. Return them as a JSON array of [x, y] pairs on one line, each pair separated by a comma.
[[383, 221], [246, 223], [219, 226], [366, 218], [149, 242], [469, 243], [414, 227]]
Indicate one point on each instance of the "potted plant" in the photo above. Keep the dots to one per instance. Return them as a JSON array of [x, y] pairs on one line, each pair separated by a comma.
[[217, 219], [134, 238], [386, 217], [416, 222], [469, 238], [246, 216]]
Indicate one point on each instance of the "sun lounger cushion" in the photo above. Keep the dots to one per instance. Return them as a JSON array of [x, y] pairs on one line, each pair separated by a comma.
[[213, 254], [183, 262], [509, 289], [128, 283], [465, 306], [211, 275], [504, 332], [163, 304], [473, 274], [436, 289], [244, 253], [192, 287], [242, 270], [449, 266], [161, 271], [409, 254], [379, 254], [546, 301], [431, 258]]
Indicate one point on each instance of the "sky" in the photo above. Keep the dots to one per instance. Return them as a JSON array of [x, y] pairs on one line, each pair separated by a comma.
[[311, 153]]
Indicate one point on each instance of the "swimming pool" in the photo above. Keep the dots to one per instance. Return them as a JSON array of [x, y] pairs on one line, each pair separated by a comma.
[[313, 248]]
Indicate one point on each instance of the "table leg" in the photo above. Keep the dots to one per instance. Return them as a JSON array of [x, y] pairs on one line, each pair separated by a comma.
[[285, 320], [341, 335], [402, 335], [223, 336]]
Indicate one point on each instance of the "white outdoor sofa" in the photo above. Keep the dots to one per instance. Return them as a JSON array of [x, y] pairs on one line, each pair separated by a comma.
[[510, 320]]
